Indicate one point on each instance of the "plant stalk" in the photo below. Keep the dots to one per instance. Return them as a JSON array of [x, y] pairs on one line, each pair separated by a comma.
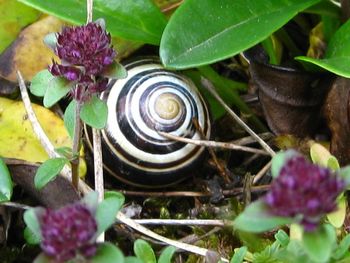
[[76, 146]]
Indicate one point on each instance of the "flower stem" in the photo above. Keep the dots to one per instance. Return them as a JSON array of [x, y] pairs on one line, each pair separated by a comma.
[[76, 146]]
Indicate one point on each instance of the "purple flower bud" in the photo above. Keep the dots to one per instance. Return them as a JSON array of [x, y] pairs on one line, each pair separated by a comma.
[[85, 53], [67, 232], [304, 189]]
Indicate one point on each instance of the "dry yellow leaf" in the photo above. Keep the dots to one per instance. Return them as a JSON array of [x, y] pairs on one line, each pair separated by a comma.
[[28, 53], [17, 138]]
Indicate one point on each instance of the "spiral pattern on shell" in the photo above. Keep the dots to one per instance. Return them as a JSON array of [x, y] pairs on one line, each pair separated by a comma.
[[149, 100]]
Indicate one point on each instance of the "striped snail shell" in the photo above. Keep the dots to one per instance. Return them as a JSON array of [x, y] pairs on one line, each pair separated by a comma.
[[152, 99]]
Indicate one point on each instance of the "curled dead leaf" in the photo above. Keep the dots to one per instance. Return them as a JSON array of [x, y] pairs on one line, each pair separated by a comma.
[[337, 112], [291, 99], [28, 53], [17, 138]]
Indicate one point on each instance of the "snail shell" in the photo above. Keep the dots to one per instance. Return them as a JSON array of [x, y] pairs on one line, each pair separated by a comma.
[[149, 100]]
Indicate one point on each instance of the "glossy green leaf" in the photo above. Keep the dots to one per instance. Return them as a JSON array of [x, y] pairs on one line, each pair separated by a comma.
[[345, 174], [30, 217], [206, 31], [42, 258], [138, 20], [256, 218], [57, 88], [239, 255], [133, 260], [108, 253], [144, 251], [69, 118], [342, 248], [14, 16], [337, 57], [319, 244], [40, 83], [30, 237], [337, 217], [167, 254], [48, 171], [94, 113], [282, 238], [107, 210], [115, 71], [6, 185]]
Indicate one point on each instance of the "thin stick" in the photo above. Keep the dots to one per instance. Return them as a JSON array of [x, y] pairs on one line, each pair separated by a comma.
[[262, 172], [209, 86], [15, 205], [76, 146], [213, 144], [183, 222], [221, 169], [180, 245], [98, 169], [37, 129], [89, 6], [233, 191]]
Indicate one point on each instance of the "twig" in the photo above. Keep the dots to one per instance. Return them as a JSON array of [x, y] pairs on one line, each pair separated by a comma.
[[209, 86], [262, 172], [142, 229], [89, 6], [249, 139], [98, 169], [214, 144], [233, 191], [171, 7], [221, 169], [15, 205], [183, 222], [37, 129], [76, 146]]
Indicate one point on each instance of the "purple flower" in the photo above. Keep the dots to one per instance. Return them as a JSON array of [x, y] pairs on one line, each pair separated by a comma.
[[85, 53], [67, 232], [304, 189]]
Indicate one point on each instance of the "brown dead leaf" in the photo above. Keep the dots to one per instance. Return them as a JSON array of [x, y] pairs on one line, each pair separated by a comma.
[[291, 99], [337, 112], [28, 53]]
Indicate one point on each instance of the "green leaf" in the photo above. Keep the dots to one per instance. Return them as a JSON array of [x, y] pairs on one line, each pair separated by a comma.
[[228, 27], [91, 201], [345, 174], [14, 16], [107, 210], [48, 171], [342, 248], [40, 83], [57, 88], [115, 71], [108, 253], [279, 160], [337, 57], [337, 217], [69, 118], [30, 237], [319, 244], [6, 185], [144, 251], [133, 260], [239, 255], [94, 113], [30, 217], [321, 156], [282, 238], [139, 20], [167, 254], [256, 218]]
